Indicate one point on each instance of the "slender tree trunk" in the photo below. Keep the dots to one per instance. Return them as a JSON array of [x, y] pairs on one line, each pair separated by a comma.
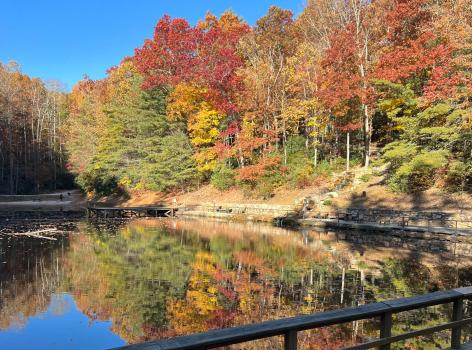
[[348, 150], [315, 160], [367, 138], [10, 155], [285, 145]]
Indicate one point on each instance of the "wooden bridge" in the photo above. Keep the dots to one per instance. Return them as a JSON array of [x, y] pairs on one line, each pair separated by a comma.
[[289, 327], [128, 212]]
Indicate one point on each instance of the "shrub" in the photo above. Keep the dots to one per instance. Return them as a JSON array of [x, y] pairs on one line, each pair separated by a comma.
[[299, 170], [263, 177], [396, 153], [327, 202], [98, 183], [265, 189], [459, 176], [418, 174], [365, 177], [223, 178], [300, 176], [338, 164], [296, 145], [323, 169]]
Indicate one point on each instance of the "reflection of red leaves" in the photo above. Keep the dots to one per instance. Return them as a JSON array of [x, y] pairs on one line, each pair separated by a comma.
[[228, 294], [221, 319], [248, 258], [325, 339], [151, 332]]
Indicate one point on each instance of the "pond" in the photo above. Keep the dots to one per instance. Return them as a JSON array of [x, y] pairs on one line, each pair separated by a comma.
[[113, 283]]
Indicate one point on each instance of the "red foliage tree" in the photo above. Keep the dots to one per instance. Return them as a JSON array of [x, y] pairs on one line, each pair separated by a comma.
[[411, 46], [170, 56], [205, 55]]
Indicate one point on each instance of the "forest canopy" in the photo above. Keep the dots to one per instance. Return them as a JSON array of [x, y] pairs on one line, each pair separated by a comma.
[[265, 105]]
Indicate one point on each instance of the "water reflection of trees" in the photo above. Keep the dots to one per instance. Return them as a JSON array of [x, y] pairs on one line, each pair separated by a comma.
[[159, 279], [128, 277], [30, 272]]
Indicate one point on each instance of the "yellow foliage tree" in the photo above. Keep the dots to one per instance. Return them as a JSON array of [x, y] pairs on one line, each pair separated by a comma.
[[187, 103]]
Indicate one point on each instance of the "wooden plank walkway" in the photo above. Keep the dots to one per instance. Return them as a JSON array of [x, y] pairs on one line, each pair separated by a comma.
[[289, 327]]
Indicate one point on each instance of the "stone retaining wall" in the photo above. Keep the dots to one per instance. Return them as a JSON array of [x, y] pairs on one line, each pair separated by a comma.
[[249, 211], [401, 217]]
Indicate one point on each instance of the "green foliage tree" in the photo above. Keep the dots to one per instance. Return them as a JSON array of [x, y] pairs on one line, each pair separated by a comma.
[[139, 147], [223, 178]]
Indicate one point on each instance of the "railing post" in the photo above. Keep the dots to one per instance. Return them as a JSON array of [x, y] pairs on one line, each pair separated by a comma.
[[457, 311], [385, 328], [290, 340]]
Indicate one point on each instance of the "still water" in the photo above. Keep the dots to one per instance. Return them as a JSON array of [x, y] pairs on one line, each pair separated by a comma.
[[111, 284]]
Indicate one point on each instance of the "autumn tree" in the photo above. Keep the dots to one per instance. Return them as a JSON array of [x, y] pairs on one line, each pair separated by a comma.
[[31, 115]]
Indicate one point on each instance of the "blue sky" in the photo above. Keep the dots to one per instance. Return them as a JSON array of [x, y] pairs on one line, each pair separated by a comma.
[[63, 40]]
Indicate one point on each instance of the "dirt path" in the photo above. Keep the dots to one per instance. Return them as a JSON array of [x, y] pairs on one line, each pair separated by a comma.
[[61, 200]]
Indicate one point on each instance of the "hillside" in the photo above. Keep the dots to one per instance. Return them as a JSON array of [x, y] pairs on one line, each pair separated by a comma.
[[364, 192]]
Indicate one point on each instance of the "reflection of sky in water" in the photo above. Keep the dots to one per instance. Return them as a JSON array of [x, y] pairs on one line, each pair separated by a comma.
[[62, 326]]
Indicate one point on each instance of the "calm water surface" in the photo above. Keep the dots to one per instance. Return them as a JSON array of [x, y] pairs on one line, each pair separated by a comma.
[[111, 284]]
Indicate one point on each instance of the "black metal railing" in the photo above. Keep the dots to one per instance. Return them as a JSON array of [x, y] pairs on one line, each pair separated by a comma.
[[289, 327]]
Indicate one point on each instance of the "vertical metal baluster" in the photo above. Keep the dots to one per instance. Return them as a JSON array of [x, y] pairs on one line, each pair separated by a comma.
[[290, 340], [457, 312], [385, 329]]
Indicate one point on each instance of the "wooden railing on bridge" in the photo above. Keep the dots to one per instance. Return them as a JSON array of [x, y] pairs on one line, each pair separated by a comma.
[[289, 327]]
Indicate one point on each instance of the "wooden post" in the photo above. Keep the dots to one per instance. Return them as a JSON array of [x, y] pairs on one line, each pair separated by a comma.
[[456, 316], [385, 328], [290, 340]]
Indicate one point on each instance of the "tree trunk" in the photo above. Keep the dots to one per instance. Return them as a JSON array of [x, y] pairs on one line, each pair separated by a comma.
[[348, 150], [367, 138], [315, 161]]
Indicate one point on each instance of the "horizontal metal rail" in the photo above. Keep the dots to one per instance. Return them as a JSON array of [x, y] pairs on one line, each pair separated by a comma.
[[289, 327], [409, 335]]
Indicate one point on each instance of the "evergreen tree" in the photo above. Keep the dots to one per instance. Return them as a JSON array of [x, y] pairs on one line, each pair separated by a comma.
[[140, 147]]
